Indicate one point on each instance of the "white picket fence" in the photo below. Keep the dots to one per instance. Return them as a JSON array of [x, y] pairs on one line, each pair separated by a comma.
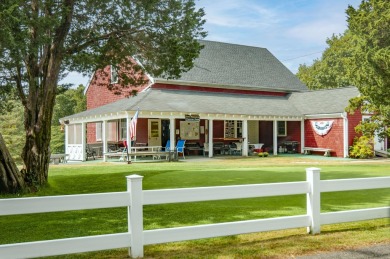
[[136, 238]]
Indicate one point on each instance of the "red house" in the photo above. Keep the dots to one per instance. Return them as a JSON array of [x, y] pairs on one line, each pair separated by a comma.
[[234, 100]]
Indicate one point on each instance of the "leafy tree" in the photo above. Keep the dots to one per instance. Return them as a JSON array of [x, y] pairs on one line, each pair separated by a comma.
[[332, 69], [11, 127], [359, 57], [371, 25], [43, 39]]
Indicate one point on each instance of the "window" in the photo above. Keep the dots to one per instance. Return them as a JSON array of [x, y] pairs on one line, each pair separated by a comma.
[[233, 129], [114, 74], [98, 131], [282, 128], [123, 129]]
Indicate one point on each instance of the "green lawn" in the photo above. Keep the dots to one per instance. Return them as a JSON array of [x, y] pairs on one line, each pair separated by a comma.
[[110, 177]]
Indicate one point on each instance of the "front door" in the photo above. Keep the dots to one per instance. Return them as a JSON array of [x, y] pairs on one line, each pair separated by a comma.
[[154, 132]]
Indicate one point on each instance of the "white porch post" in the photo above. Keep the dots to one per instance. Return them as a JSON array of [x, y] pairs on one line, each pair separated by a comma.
[[275, 142], [172, 132], [302, 134], [245, 138], [345, 134], [211, 126], [83, 140], [67, 151], [104, 138]]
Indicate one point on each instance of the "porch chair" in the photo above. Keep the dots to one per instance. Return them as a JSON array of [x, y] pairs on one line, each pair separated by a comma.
[[180, 147], [236, 148], [90, 152], [168, 146]]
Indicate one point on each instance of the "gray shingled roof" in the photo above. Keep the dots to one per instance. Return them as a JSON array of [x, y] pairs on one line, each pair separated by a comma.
[[296, 104], [198, 102], [235, 65], [323, 101]]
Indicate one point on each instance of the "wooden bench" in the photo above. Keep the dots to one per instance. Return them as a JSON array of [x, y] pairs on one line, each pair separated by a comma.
[[133, 156], [58, 158], [308, 150]]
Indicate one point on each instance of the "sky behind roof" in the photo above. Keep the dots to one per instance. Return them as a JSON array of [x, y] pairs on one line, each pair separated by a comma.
[[294, 31]]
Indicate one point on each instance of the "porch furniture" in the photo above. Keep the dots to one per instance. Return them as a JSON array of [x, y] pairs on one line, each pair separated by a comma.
[[290, 146], [236, 148], [155, 152], [308, 150], [59, 158], [168, 145], [194, 148], [218, 146], [90, 153], [205, 148], [180, 147]]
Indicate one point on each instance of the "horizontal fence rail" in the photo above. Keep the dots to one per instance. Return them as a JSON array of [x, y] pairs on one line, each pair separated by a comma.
[[64, 203], [135, 198], [223, 192]]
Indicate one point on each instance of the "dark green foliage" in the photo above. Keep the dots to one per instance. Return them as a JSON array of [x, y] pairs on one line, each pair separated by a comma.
[[359, 57], [11, 127], [41, 41]]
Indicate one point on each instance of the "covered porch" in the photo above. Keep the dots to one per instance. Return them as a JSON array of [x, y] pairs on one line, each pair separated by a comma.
[[210, 123]]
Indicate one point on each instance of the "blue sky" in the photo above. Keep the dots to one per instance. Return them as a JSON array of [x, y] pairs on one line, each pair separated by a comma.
[[295, 31]]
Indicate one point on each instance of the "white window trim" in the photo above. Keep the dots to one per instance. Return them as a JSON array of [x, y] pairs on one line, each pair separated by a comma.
[[114, 74]]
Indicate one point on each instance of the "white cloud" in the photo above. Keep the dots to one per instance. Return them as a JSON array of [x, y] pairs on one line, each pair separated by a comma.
[[316, 32], [238, 14]]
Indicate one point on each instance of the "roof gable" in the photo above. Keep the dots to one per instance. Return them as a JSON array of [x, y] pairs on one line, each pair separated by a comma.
[[323, 101], [238, 66]]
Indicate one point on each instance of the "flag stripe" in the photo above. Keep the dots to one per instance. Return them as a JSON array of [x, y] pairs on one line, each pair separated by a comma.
[[133, 126]]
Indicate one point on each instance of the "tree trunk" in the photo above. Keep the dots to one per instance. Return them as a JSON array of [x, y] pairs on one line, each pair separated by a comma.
[[11, 179], [36, 152]]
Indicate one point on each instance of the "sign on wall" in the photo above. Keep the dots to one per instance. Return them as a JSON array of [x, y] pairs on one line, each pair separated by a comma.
[[189, 130], [322, 127]]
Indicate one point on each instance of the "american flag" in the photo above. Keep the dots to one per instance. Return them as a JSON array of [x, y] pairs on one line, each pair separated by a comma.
[[133, 126]]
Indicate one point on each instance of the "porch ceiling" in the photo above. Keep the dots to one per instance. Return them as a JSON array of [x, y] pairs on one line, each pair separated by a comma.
[[157, 103]]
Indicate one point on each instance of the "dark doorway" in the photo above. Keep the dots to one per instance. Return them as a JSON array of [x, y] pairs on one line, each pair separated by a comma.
[[165, 133]]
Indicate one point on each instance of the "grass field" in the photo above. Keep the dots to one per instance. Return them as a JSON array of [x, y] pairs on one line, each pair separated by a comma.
[[110, 177]]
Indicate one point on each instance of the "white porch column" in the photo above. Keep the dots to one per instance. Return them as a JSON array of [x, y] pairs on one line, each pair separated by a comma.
[[83, 140], [104, 138], [211, 126], [67, 151], [345, 134], [275, 142], [302, 134], [172, 132], [245, 138]]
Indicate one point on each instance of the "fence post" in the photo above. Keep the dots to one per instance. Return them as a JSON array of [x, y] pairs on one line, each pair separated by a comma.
[[135, 216], [313, 200]]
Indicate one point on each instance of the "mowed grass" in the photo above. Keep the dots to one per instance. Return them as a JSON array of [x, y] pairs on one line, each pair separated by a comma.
[[110, 177]]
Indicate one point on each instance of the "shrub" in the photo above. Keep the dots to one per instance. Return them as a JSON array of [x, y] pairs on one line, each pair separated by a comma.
[[362, 148], [263, 154]]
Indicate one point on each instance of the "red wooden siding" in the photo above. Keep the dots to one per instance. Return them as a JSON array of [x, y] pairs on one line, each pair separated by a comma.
[[98, 93], [332, 140], [353, 121]]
